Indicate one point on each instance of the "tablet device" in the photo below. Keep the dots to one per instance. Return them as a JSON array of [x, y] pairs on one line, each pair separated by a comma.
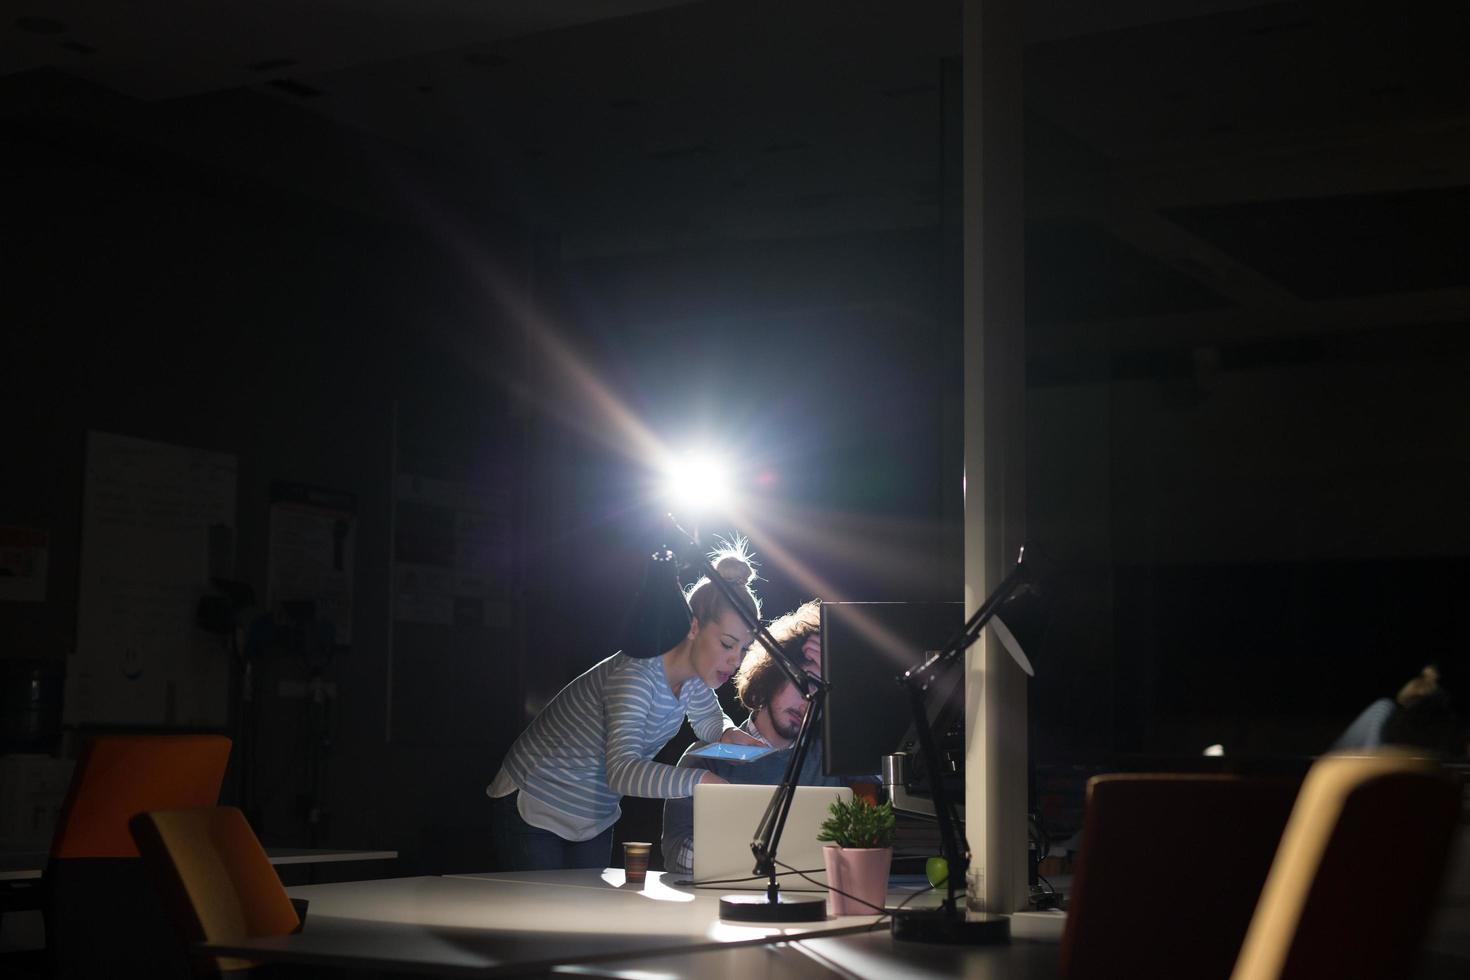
[[730, 752]]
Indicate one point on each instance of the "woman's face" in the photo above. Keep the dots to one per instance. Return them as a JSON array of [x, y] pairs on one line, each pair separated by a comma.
[[719, 646]]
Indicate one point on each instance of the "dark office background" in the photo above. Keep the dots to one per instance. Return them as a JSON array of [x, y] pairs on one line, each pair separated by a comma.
[[347, 256]]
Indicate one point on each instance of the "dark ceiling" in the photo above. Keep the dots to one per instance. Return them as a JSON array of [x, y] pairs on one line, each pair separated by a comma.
[[1198, 173]]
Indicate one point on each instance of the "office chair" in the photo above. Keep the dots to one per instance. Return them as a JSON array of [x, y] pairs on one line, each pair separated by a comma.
[[217, 883], [1354, 881], [102, 917], [1168, 871]]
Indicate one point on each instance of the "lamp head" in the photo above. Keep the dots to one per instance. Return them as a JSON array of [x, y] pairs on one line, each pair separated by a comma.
[[1020, 622], [698, 483]]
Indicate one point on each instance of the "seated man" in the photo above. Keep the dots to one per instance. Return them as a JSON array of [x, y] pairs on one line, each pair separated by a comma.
[[1422, 716], [776, 712]]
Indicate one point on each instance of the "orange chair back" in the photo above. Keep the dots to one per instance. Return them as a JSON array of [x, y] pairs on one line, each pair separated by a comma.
[[215, 878], [1354, 882], [118, 776], [1168, 871]]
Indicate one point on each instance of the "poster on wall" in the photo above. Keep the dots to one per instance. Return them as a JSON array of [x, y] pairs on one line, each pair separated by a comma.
[[147, 513], [451, 554], [312, 539], [23, 553]]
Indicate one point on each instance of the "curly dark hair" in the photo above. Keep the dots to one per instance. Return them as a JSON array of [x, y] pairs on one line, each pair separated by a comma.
[[760, 677]]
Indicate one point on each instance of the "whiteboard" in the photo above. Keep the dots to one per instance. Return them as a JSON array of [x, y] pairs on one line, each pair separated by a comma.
[[140, 659]]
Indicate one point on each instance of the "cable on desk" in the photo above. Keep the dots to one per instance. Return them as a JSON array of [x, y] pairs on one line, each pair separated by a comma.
[[709, 882], [883, 912]]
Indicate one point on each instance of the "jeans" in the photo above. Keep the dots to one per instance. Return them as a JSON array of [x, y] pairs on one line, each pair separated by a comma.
[[521, 847]]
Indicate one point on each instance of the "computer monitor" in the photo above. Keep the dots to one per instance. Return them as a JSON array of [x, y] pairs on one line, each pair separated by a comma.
[[865, 647]]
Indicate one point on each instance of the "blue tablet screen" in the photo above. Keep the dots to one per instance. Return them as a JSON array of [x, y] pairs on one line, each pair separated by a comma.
[[731, 752]]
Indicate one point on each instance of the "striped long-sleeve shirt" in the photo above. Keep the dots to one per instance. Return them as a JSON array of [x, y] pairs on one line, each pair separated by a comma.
[[595, 742]]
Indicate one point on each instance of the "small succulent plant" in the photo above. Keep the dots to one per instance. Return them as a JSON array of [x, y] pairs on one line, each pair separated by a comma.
[[858, 824]]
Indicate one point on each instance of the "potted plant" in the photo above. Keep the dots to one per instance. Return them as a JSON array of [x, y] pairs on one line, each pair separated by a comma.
[[858, 855]]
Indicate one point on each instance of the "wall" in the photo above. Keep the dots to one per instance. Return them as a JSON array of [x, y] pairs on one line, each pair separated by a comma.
[[1286, 528], [170, 300]]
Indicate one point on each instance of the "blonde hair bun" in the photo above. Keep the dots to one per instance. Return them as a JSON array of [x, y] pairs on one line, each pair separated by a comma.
[[733, 562], [735, 570]]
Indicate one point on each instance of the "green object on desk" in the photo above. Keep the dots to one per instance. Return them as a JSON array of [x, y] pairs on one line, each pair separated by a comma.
[[936, 869], [858, 824]]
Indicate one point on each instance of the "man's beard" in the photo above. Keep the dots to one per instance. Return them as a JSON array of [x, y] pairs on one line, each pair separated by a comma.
[[783, 724]]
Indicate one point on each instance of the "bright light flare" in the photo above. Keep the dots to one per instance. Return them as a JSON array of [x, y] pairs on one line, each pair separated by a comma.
[[698, 484]]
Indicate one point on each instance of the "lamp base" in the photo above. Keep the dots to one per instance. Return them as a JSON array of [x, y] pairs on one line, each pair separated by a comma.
[[961, 929], [756, 907]]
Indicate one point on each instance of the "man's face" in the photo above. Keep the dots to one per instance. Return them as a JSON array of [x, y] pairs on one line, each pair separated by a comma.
[[788, 707], [786, 711]]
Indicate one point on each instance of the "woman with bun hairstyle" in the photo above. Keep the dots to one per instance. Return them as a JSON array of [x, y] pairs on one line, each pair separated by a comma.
[[557, 794]]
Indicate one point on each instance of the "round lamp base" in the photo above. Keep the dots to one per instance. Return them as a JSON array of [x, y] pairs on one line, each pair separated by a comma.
[[756, 907], [965, 929]]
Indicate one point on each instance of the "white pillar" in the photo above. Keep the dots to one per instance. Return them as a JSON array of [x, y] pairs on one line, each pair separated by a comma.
[[995, 376]]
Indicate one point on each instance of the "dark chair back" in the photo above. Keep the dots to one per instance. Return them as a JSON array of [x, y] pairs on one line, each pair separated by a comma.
[[1169, 868], [216, 880], [1360, 865]]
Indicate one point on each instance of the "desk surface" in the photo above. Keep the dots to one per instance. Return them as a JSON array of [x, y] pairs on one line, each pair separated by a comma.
[[497, 924], [28, 865], [861, 954], [319, 855]]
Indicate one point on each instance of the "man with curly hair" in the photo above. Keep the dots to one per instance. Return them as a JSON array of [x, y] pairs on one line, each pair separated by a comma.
[[776, 712]]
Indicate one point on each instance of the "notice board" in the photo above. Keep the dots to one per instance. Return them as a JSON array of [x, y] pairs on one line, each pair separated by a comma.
[[147, 510]]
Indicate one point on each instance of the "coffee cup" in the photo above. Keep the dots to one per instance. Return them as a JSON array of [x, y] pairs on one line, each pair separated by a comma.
[[635, 861]]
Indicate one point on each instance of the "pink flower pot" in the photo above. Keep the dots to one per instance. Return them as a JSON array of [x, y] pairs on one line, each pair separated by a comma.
[[861, 872]]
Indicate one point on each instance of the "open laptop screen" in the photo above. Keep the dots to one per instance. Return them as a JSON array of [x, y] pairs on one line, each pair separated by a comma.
[[725, 819]]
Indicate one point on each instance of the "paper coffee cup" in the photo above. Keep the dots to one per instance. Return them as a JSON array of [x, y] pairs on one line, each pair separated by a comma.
[[635, 860]]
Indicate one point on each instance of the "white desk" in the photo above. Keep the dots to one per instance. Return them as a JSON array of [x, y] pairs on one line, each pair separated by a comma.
[[29, 865], [21, 865], [492, 924], [318, 855], [862, 954]]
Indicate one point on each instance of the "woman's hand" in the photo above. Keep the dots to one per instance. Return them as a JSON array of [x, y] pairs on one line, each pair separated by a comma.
[[736, 737], [711, 778]]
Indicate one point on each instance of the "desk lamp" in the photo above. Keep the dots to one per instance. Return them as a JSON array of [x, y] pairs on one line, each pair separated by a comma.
[[1017, 606], [772, 906]]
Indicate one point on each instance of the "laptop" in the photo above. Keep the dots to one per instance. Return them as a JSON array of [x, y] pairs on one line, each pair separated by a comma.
[[725, 819]]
